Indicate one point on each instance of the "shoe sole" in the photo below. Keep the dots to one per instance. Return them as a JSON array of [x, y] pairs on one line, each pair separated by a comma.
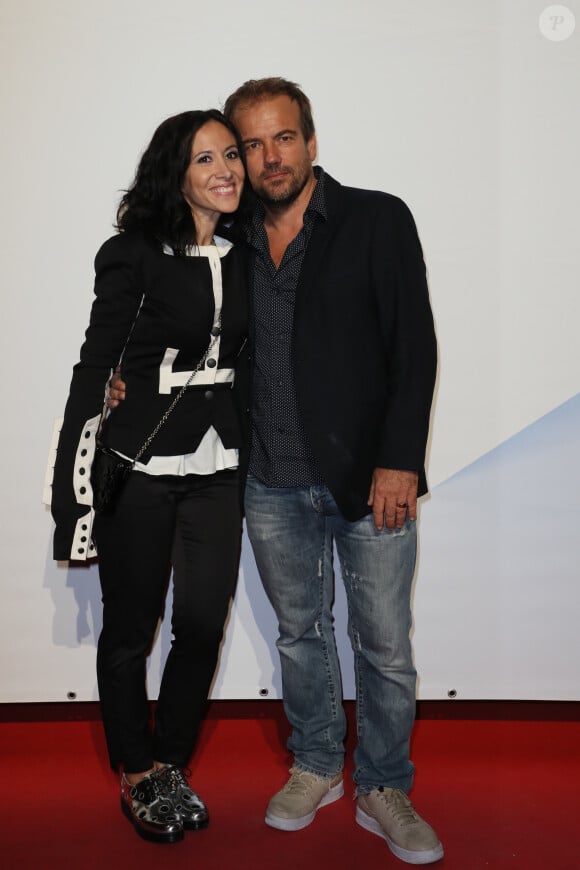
[[428, 856], [151, 836], [281, 824], [195, 826]]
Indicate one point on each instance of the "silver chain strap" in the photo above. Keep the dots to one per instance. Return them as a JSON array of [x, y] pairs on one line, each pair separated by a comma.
[[197, 369]]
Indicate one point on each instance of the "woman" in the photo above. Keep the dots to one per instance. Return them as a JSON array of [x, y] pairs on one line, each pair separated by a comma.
[[168, 289]]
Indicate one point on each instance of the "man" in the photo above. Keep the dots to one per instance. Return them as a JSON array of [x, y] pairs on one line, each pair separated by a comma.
[[343, 374], [343, 370]]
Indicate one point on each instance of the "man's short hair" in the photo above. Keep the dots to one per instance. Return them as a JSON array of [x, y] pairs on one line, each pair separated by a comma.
[[256, 90]]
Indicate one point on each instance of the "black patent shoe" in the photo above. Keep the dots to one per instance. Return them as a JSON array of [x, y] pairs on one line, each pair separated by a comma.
[[150, 810], [189, 807]]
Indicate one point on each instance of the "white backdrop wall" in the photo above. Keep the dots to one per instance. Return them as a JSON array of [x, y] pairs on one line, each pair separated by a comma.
[[467, 110]]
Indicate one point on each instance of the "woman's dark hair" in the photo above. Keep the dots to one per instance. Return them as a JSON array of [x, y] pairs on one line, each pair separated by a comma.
[[154, 203]]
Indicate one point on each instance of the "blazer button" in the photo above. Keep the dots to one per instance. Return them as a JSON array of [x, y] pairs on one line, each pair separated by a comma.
[[215, 331], [208, 394], [211, 363]]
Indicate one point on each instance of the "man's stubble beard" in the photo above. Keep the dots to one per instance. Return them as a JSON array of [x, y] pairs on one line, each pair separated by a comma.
[[281, 201]]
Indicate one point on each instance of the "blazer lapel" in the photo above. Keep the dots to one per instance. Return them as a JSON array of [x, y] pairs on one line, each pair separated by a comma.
[[322, 233]]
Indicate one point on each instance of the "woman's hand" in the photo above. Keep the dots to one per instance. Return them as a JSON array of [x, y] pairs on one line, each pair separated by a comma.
[[116, 389]]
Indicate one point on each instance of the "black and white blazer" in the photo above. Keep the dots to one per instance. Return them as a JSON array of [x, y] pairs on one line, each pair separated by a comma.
[[156, 311]]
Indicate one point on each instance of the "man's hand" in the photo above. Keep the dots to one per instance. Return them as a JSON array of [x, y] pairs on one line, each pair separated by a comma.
[[393, 496], [116, 391]]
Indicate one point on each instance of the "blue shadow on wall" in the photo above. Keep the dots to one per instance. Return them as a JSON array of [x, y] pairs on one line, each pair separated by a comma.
[[499, 568]]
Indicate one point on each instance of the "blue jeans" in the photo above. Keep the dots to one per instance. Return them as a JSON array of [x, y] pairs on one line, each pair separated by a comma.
[[292, 532]]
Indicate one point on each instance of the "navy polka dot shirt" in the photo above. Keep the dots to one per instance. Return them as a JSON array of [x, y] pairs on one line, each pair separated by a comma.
[[281, 455]]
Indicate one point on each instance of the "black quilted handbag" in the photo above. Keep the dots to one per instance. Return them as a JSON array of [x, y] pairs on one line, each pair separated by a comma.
[[109, 473]]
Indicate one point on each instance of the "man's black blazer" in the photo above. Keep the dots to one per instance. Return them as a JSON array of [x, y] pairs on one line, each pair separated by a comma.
[[364, 349]]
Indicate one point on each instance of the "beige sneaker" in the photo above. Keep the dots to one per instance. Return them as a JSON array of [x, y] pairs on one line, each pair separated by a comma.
[[295, 806], [389, 813]]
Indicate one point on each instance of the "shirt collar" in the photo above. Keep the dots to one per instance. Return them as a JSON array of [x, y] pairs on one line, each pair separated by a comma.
[[317, 204], [222, 246]]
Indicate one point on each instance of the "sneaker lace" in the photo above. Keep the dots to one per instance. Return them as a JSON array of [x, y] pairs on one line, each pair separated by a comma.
[[399, 805], [299, 783]]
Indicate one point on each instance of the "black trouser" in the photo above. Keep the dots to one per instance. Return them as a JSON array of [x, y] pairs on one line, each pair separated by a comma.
[[193, 524]]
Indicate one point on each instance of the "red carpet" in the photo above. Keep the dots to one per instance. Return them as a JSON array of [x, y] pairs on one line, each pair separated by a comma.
[[501, 794]]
